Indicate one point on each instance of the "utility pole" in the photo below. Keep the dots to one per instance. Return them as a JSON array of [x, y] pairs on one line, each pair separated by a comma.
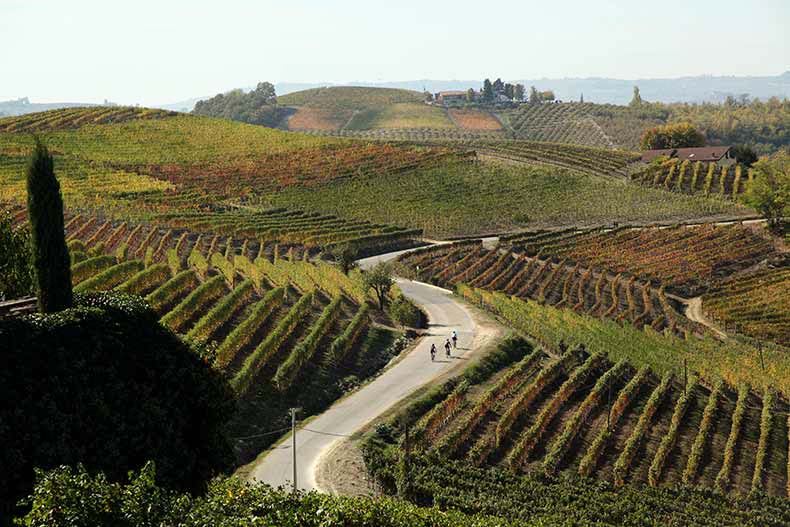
[[293, 442]]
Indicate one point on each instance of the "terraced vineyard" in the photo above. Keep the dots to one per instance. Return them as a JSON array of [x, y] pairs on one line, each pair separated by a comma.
[[72, 118], [558, 123], [754, 304], [688, 260], [185, 171], [561, 283], [584, 159], [709, 179], [575, 412], [272, 322]]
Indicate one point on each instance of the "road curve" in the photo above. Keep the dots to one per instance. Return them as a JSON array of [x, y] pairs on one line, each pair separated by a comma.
[[353, 412]]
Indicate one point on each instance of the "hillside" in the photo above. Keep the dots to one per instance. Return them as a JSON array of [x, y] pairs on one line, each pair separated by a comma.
[[185, 171], [357, 108], [273, 321], [170, 169], [400, 114]]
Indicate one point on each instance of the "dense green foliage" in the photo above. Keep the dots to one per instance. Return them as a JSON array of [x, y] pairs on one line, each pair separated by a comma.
[[71, 497], [770, 193], [259, 106], [17, 274], [105, 385], [679, 135], [50, 253]]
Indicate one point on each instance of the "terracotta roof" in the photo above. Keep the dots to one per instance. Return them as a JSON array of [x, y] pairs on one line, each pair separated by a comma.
[[451, 92], [652, 154], [703, 153]]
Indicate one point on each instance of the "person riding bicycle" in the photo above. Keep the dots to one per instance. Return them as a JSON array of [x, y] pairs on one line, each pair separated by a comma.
[[447, 347], [433, 352], [455, 339]]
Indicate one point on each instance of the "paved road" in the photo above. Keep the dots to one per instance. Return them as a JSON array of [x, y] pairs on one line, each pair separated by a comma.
[[355, 411]]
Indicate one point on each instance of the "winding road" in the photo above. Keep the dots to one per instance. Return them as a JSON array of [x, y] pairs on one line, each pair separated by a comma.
[[352, 413]]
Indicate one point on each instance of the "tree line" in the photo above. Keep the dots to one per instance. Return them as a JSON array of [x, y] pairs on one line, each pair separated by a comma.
[[258, 106]]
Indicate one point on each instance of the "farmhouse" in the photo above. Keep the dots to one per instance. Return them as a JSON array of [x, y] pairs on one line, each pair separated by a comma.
[[721, 155], [451, 96]]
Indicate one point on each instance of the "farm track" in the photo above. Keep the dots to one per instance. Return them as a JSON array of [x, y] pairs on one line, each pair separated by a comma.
[[410, 372]]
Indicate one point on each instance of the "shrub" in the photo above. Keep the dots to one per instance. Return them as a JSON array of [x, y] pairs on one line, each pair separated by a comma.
[[135, 393]]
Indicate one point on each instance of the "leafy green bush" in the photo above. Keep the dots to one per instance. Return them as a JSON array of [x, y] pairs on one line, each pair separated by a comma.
[[405, 313], [17, 273], [105, 385], [71, 497]]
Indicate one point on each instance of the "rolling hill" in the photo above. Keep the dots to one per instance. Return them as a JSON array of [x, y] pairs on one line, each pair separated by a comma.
[[185, 171]]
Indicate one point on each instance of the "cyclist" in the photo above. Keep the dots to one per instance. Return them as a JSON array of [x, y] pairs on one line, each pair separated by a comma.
[[455, 339], [447, 348]]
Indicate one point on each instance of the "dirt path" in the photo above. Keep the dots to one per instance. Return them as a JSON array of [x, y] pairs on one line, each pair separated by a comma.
[[695, 314], [407, 374]]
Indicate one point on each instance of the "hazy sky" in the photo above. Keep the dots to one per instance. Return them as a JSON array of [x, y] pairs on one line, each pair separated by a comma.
[[163, 51]]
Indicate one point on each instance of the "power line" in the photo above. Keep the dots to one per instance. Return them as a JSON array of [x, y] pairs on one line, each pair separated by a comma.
[[263, 434]]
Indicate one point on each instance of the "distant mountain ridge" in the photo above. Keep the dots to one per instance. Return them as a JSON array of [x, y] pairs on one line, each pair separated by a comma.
[[702, 88]]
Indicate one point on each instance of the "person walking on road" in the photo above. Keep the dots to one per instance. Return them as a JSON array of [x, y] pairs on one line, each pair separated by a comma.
[[455, 339], [447, 348], [433, 352]]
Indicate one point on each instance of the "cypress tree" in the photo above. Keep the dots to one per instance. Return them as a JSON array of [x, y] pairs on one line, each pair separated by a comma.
[[50, 252]]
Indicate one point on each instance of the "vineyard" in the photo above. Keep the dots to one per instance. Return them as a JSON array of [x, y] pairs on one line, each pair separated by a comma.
[[754, 304], [270, 320], [561, 283], [194, 172], [578, 412], [474, 120], [709, 179], [558, 123], [72, 118], [463, 197], [687, 260]]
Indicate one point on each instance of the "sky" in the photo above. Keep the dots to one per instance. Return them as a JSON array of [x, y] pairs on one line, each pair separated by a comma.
[[156, 52]]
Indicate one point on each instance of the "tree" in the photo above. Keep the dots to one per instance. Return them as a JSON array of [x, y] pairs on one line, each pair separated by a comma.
[[678, 135], [379, 279], [346, 257], [509, 90], [17, 274], [534, 95], [50, 252], [499, 86], [518, 92], [636, 100], [547, 95], [769, 194], [744, 155], [488, 91], [259, 106], [427, 95], [470, 95], [581, 98]]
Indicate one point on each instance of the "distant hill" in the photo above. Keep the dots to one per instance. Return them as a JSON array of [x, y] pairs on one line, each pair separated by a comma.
[[24, 106], [701, 88]]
